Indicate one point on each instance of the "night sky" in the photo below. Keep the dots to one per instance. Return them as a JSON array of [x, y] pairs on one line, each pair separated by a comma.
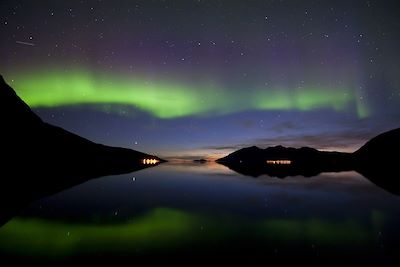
[[202, 78]]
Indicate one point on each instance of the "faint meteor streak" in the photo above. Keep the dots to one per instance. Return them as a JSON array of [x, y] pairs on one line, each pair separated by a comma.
[[25, 43]]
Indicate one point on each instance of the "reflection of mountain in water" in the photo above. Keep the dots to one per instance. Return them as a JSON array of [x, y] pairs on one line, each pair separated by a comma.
[[282, 161], [378, 160], [373, 160], [34, 154], [21, 188]]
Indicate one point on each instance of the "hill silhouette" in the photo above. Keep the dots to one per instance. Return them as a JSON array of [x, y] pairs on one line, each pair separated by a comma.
[[381, 149], [39, 159], [30, 142], [199, 160], [376, 160], [304, 161]]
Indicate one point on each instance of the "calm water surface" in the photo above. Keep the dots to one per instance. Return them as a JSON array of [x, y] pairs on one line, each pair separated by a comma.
[[207, 209]]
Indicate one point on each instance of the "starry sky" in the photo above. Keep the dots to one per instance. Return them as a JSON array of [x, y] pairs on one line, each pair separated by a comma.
[[190, 79]]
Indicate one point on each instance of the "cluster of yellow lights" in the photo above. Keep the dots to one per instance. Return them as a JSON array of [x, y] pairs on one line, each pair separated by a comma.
[[149, 161], [279, 161]]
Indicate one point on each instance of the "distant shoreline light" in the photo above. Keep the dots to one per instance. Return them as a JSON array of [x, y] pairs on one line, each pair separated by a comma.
[[279, 162], [149, 161]]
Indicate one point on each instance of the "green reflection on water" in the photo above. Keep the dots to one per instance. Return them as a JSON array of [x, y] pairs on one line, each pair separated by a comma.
[[313, 230], [38, 236], [168, 229]]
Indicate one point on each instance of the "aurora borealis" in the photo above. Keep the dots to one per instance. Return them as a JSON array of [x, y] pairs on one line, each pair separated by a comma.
[[167, 100], [202, 78]]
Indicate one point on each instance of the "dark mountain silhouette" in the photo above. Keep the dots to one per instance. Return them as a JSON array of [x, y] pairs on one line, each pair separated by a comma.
[[376, 160], [304, 161], [40, 159], [382, 149], [30, 142]]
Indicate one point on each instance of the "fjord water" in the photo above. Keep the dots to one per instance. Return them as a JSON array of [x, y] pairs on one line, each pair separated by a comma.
[[180, 209]]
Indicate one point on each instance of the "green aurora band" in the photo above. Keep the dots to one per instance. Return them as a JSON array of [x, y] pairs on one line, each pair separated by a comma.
[[168, 99], [165, 228]]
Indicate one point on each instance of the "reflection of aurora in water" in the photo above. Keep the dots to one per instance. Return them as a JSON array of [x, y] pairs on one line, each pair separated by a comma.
[[168, 228], [168, 99]]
